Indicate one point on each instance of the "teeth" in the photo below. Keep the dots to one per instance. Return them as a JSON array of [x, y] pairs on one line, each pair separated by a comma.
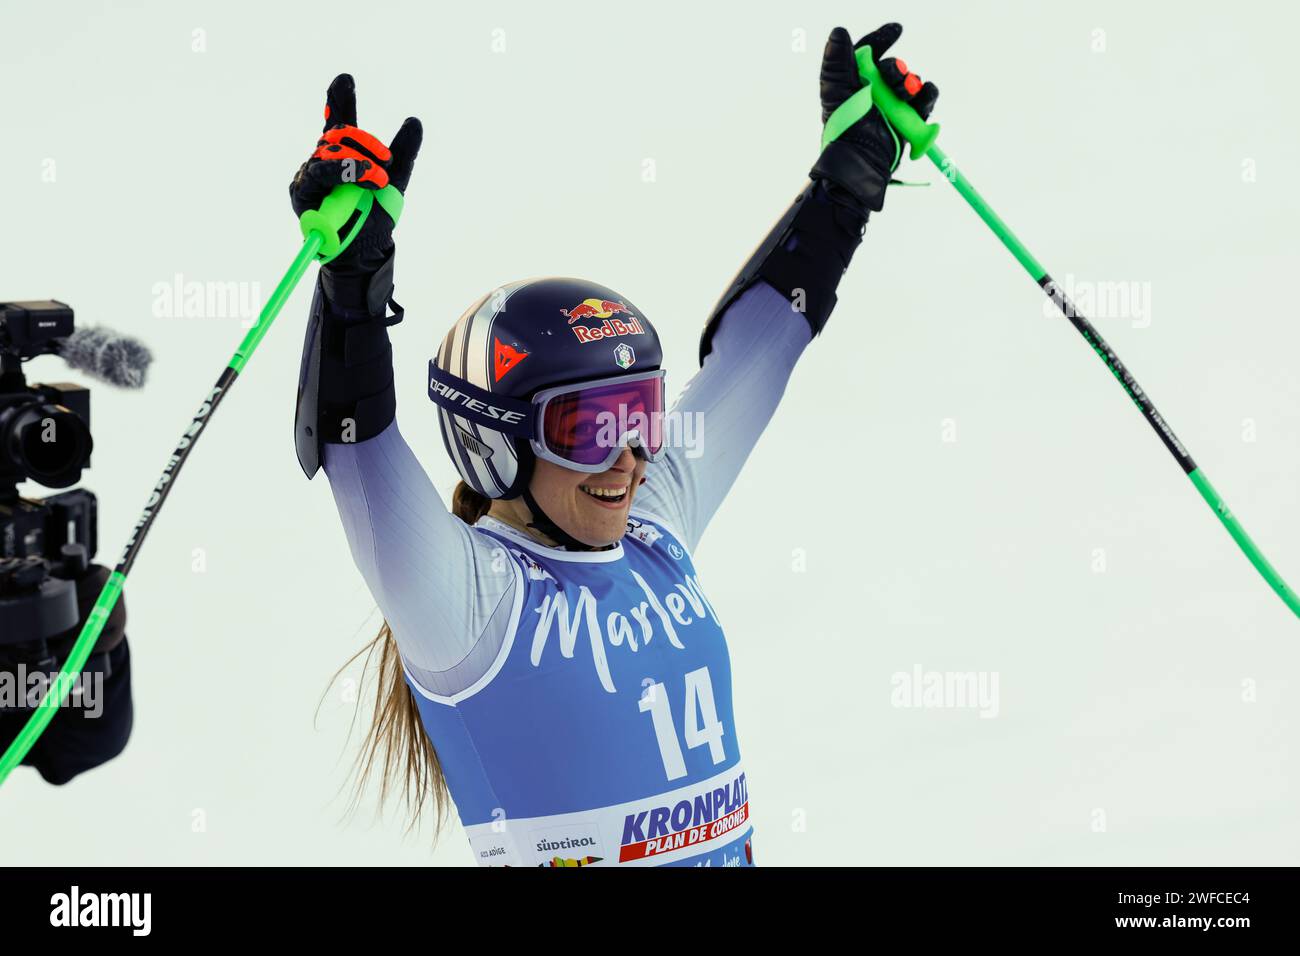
[[605, 492]]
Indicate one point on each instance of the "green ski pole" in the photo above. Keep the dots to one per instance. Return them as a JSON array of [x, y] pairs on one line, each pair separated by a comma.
[[921, 136], [322, 239]]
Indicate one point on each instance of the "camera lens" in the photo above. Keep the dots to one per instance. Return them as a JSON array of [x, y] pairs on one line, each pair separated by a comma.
[[48, 443]]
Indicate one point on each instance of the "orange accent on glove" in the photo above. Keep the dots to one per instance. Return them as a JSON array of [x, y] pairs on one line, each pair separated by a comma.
[[362, 138]]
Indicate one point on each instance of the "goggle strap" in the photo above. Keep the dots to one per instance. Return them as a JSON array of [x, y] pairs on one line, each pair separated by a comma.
[[500, 412]]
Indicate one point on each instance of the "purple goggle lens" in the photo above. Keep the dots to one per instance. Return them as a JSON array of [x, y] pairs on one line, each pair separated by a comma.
[[583, 425]]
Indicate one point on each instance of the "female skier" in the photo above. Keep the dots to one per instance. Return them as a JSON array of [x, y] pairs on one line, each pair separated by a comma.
[[548, 656]]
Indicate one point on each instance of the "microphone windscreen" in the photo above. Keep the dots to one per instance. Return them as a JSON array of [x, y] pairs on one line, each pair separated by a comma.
[[117, 359]]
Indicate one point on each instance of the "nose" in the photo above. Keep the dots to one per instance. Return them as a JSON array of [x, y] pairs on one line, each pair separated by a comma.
[[625, 462]]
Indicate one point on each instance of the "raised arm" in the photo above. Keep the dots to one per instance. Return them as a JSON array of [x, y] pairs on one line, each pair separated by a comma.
[[440, 586], [784, 294], [724, 409]]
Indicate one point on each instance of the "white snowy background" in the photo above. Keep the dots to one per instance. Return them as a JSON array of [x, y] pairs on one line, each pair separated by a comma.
[[953, 482]]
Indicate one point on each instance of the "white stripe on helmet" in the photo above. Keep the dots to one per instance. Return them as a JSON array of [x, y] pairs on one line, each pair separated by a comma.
[[467, 352], [453, 360]]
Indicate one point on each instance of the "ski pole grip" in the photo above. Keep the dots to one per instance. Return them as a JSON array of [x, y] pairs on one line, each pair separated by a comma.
[[905, 120], [337, 210]]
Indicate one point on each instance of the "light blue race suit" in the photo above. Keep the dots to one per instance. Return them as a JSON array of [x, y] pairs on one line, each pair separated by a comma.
[[580, 701]]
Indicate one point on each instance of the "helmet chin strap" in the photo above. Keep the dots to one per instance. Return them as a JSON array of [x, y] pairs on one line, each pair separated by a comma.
[[542, 522]]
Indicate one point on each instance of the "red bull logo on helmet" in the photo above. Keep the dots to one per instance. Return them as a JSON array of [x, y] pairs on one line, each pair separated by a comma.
[[605, 310], [596, 309]]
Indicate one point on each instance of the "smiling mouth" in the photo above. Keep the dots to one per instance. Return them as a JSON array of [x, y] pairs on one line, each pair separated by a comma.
[[606, 496]]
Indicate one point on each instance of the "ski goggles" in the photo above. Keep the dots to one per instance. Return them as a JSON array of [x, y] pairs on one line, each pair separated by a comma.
[[583, 426]]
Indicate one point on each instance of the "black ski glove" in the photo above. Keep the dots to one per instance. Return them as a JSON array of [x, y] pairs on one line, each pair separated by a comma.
[[347, 154], [345, 382], [859, 163]]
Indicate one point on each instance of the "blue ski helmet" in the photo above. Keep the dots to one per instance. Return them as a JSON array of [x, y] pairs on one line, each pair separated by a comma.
[[519, 340]]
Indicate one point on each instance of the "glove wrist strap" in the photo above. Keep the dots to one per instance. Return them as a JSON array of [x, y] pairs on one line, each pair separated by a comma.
[[803, 257], [355, 296], [850, 169]]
